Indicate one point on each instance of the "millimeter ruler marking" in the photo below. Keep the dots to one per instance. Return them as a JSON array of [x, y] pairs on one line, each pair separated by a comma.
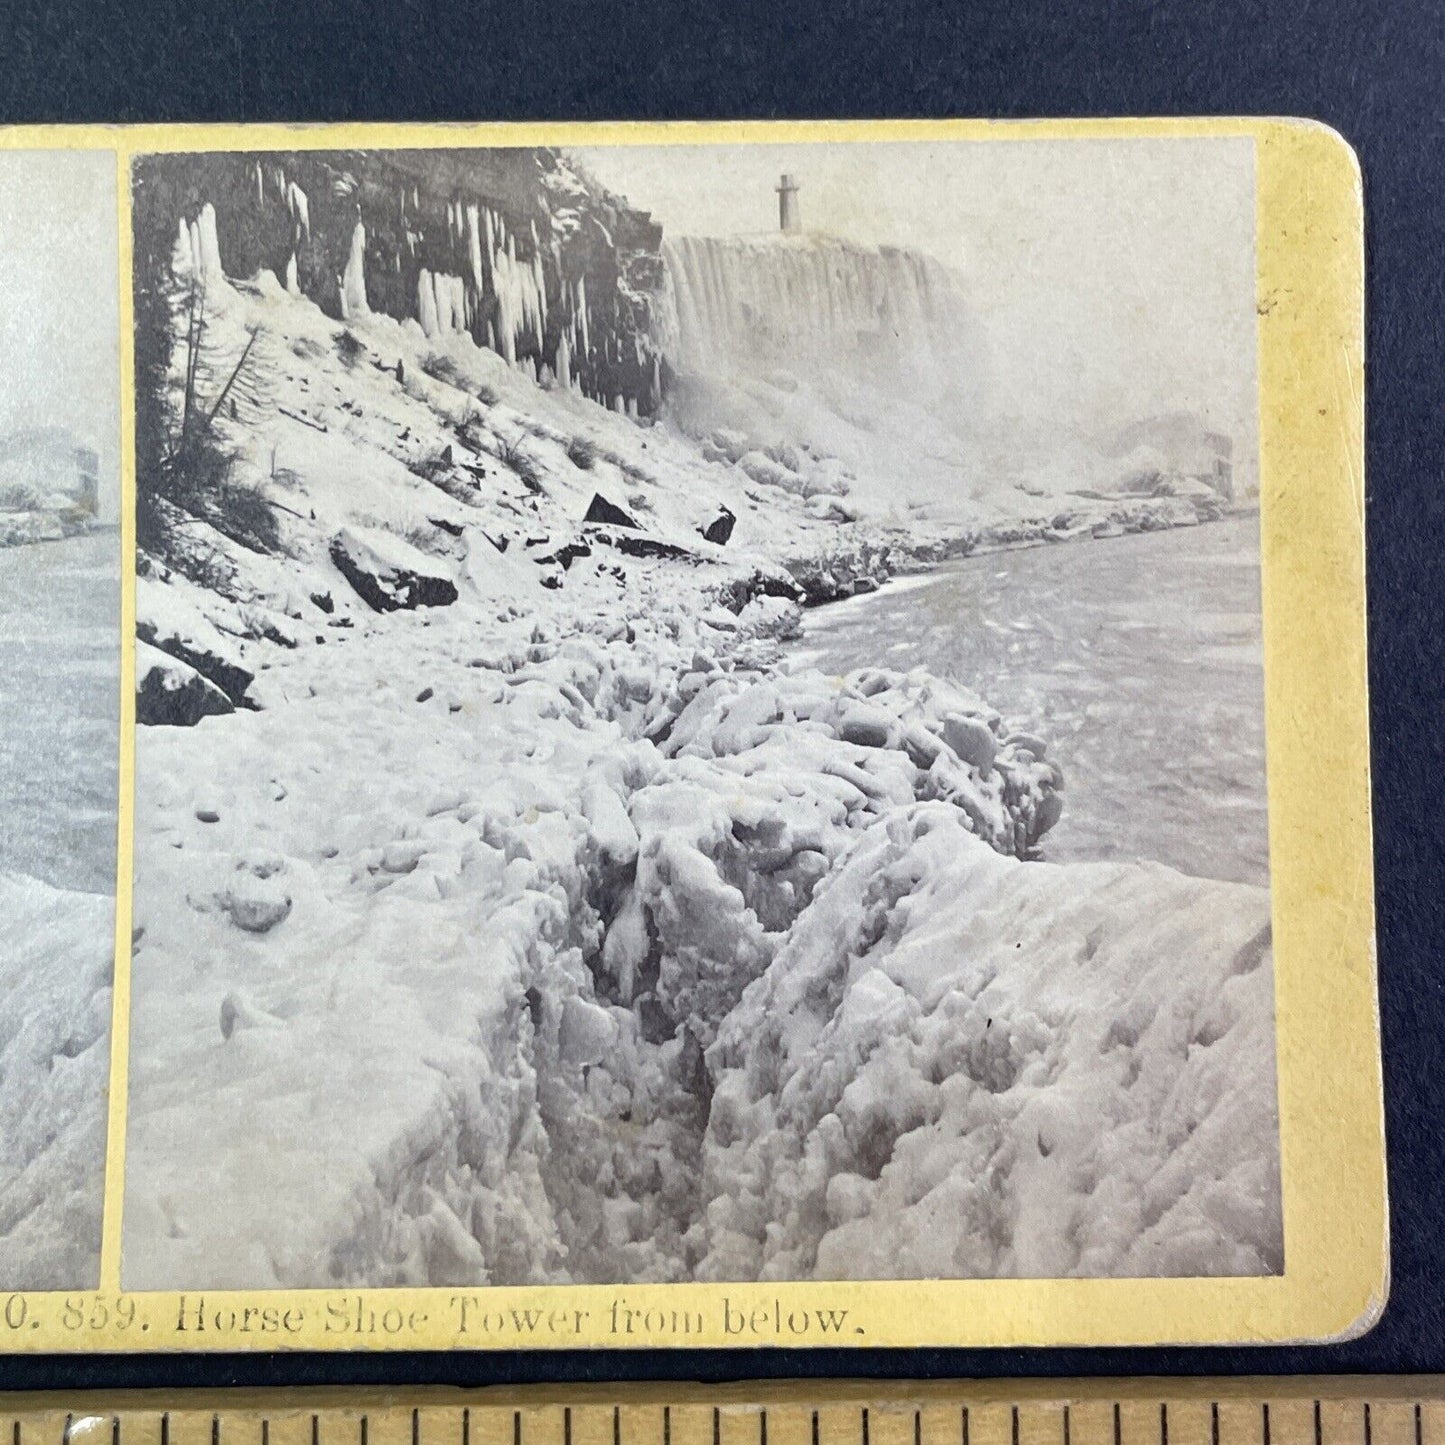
[[1387, 1410]]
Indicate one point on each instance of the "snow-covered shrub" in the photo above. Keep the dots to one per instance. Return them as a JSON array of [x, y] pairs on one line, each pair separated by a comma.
[[440, 367], [349, 346]]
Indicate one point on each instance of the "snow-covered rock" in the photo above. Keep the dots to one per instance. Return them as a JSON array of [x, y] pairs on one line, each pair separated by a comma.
[[971, 738], [256, 905], [389, 573], [171, 693], [169, 621]]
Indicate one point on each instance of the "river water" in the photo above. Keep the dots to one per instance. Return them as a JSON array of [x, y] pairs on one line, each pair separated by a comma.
[[60, 710], [1138, 658]]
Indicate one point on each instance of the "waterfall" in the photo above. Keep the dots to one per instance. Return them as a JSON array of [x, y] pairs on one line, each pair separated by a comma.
[[744, 303]]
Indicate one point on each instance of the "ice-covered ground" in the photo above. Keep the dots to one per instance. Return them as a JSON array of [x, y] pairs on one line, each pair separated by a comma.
[[55, 977], [59, 725], [556, 930], [963, 1065]]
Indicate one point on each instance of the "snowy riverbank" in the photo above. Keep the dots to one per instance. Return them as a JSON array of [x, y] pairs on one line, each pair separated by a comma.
[[512, 913]]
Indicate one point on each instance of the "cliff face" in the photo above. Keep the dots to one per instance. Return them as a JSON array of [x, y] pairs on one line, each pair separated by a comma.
[[515, 247]]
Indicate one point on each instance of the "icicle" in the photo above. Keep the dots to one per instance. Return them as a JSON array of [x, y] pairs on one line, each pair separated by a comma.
[[456, 308], [426, 302], [183, 252], [474, 249], [300, 208], [540, 281], [353, 282], [205, 248]]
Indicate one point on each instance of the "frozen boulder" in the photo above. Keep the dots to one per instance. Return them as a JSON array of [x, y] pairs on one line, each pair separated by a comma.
[[608, 513], [255, 905], [167, 620], [403, 855], [1028, 742], [388, 573], [768, 616], [720, 528], [971, 739], [238, 1012], [612, 829], [867, 727], [587, 1034], [1048, 813], [171, 693], [452, 1255], [732, 444], [767, 472]]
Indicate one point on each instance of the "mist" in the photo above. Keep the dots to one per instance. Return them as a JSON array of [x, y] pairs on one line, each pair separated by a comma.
[[60, 326], [1111, 281]]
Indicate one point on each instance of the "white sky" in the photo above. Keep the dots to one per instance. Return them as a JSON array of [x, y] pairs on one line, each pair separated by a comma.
[[1114, 278], [59, 310]]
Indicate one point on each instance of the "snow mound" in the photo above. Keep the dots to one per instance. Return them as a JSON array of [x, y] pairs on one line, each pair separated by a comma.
[[959, 1066]]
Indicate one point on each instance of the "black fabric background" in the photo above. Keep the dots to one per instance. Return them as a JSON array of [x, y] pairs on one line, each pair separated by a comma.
[[1371, 70]]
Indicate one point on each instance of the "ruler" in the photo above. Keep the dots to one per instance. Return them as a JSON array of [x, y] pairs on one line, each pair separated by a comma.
[[1373, 1410]]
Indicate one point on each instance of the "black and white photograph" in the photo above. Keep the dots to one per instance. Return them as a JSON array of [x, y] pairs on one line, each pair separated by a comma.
[[700, 715], [60, 705]]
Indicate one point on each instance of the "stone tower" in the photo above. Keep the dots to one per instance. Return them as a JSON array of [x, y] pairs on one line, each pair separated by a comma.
[[789, 220], [87, 473]]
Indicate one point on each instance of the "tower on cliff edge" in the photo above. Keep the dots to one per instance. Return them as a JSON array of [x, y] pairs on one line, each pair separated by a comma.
[[788, 217]]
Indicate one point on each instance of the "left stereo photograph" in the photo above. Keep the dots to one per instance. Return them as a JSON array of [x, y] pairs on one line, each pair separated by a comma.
[[60, 706]]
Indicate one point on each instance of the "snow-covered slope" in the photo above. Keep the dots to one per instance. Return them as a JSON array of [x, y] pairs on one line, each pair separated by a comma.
[[454, 917]]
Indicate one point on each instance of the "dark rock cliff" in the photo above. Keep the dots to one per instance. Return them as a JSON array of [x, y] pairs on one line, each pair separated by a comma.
[[516, 247]]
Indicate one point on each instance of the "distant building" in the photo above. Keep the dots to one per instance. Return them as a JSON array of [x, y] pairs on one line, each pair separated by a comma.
[[1177, 445], [789, 217]]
